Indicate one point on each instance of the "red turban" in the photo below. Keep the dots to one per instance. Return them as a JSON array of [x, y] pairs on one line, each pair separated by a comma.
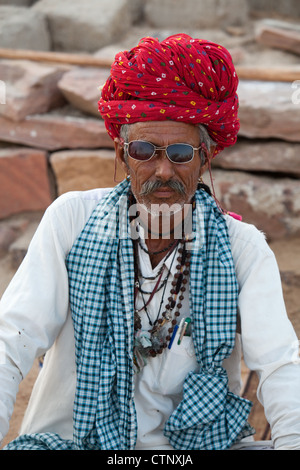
[[180, 79]]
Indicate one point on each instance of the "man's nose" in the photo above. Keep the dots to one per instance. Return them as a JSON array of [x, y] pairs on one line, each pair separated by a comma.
[[164, 167]]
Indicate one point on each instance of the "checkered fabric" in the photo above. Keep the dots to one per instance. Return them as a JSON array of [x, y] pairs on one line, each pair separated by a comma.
[[101, 274]]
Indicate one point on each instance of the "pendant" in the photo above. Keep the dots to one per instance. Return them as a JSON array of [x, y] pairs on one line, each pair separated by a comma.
[[142, 344], [139, 361], [161, 323], [137, 321]]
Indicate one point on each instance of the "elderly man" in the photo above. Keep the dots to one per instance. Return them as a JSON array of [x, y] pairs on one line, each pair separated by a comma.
[[144, 294]]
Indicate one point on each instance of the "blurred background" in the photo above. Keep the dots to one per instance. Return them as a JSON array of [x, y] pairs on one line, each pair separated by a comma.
[[54, 55]]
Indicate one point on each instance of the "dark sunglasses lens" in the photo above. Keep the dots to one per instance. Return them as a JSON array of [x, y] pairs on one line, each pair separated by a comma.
[[180, 153], [139, 150]]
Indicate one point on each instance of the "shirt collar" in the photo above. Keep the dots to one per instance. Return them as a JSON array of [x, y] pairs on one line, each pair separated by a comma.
[[145, 263]]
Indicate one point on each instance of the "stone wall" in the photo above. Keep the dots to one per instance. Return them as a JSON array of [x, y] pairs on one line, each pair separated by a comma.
[[70, 25], [52, 139]]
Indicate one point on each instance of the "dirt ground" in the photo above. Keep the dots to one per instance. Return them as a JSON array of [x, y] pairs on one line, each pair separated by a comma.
[[288, 257]]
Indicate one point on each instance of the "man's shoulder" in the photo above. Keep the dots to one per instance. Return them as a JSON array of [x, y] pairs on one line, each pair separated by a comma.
[[245, 235], [78, 202], [91, 196], [71, 210]]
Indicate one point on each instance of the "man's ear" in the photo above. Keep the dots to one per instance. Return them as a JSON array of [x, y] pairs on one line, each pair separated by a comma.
[[211, 151], [119, 150], [203, 168], [208, 157]]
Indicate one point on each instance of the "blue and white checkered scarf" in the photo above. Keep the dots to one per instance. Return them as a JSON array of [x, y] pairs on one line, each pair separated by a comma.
[[101, 274]]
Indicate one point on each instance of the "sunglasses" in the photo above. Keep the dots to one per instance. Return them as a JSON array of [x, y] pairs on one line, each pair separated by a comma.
[[143, 151]]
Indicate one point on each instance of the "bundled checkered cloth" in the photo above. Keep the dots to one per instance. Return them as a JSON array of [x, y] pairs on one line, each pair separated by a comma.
[[101, 273]]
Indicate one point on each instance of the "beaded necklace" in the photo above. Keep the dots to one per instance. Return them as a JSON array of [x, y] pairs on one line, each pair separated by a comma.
[[153, 341]]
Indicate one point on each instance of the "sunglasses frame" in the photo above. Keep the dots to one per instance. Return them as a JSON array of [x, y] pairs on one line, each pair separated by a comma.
[[162, 148]]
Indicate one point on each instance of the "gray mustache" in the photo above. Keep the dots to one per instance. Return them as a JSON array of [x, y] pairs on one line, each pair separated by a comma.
[[150, 186]]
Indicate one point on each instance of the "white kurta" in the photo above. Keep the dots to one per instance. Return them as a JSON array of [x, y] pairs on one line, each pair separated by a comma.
[[35, 318]]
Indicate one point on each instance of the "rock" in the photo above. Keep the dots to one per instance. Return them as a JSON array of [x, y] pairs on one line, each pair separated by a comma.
[[273, 205], [15, 32], [287, 8], [196, 13], [2, 95], [19, 247], [80, 87], [136, 9], [10, 230], [17, 3], [261, 156], [109, 52], [79, 170], [267, 110], [84, 26], [287, 252], [59, 129], [7, 236], [31, 88], [24, 184], [279, 35]]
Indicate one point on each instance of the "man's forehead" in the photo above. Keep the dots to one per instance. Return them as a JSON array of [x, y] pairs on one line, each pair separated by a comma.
[[161, 129]]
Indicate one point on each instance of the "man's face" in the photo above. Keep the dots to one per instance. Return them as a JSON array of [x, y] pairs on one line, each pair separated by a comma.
[[159, 167]]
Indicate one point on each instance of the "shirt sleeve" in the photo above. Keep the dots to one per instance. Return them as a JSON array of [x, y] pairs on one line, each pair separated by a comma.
[[34, 307], [269, 342]]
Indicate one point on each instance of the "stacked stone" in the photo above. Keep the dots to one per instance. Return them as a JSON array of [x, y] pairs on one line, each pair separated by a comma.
[[53, 140]]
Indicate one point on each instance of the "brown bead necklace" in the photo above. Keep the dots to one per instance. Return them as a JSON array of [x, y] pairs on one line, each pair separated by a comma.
[[152, 342]]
